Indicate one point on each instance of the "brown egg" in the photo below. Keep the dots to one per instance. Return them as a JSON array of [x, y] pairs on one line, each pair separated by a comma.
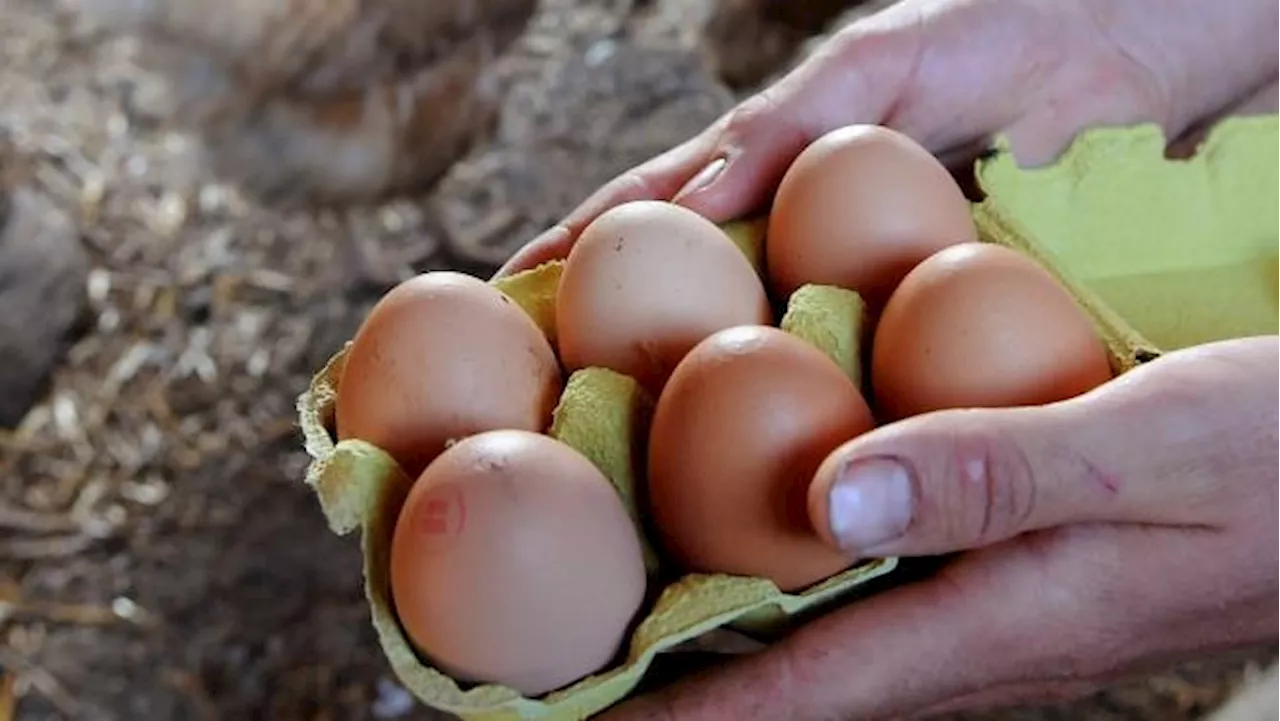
[[442, 356], [744, 422], [860, 207], [981, 325], [514, 562], [644, 283]]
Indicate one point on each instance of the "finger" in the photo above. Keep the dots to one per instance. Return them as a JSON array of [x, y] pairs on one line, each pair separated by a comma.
[[657, 179], [759, 140], [855, 77], [1070, 605], [1012, 695], [1161, 444], [1265, 100], [551, 244], [985, 621], [1101, 96], [868, 657]]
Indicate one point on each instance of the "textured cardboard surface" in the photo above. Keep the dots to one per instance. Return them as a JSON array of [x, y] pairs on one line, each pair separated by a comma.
[[1183, 251]]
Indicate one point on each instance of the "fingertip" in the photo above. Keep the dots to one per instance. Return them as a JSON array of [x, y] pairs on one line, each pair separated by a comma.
[[552, 244], [1038, 142]]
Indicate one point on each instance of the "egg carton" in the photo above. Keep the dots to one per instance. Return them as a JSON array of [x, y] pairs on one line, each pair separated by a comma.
[[600, 414], [1087, 219]]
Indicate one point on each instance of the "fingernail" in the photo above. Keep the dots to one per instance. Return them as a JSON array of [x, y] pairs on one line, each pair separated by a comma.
[[870, 504], [704, 178]]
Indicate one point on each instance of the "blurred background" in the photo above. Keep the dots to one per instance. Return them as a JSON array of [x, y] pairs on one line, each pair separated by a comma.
[[198, 203]]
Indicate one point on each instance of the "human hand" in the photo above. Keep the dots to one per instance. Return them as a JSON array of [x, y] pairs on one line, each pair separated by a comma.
[[1131, 526], [951, 73]]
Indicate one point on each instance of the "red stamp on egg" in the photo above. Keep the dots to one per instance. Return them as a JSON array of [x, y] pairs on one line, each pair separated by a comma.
[[440, 517]]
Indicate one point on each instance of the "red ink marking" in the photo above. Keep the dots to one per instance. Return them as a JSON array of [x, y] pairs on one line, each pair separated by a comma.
[[441, 518], [437, 507]]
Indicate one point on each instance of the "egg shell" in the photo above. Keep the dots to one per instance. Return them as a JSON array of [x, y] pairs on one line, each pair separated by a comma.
[[515, 562], [737, 434], [980, 325], [644, 283], [857, 209], [441, 356]]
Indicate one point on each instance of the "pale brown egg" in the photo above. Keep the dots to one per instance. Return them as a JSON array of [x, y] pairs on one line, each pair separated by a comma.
[[858, 209], [514, 562], [982, 325], [441, 356], [644, 283], [737, 434]]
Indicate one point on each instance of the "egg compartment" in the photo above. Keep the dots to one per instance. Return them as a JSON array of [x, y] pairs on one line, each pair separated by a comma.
[[603, 415], [1126, 348], [1163, 253]]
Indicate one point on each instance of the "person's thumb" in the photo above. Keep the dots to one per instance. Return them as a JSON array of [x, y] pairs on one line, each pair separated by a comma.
[[1174, 442]]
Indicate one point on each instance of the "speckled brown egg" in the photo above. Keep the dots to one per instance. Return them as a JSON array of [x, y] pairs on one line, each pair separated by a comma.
[[737, 434], [859, 208], [515, 562], [441, 356], [644, 283], [982, 325]]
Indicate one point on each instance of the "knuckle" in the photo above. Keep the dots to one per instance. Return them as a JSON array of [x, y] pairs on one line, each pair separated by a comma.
[[1000, 471], [1017, 499], [632, 186], [768, 121], [756, 113], [1153, 97], [1082, 590]]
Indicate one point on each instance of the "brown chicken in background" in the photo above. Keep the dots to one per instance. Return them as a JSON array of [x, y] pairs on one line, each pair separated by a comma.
[[350, 101], [327, 101], [340, 103]]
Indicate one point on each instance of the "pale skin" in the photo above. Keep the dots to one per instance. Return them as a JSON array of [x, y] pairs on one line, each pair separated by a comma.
[[1115, 532]]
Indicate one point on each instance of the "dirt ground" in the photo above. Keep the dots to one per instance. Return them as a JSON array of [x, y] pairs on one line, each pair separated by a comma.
[[159, 557]]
